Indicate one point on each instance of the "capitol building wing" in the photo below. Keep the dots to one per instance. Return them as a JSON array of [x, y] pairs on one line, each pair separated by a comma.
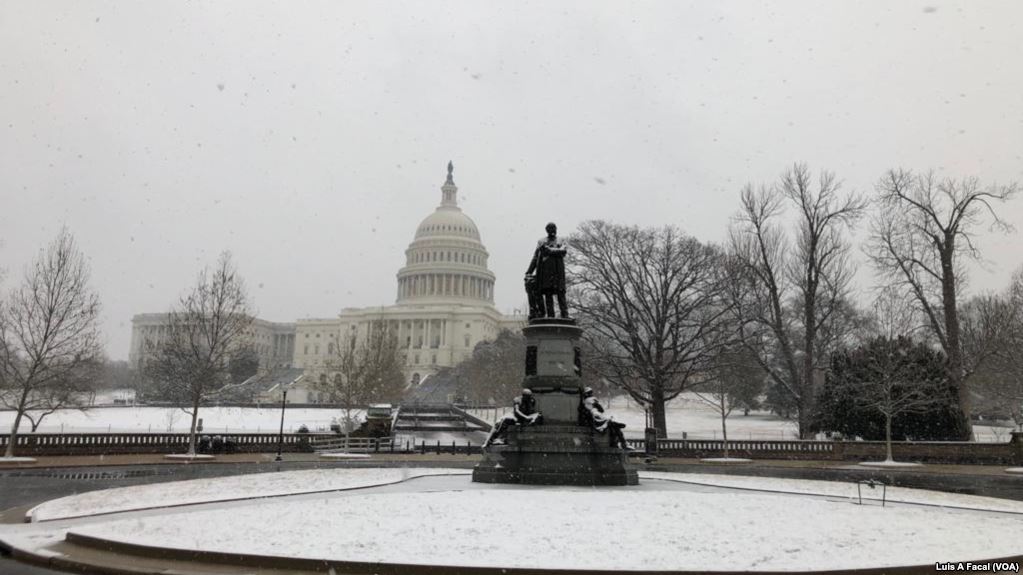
[[444, 304]]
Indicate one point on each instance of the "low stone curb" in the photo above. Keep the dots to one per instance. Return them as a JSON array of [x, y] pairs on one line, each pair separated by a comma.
[[325, 566], [30, 519]]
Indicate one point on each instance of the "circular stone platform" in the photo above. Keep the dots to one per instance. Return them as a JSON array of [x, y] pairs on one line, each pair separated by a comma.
[[659, 525]]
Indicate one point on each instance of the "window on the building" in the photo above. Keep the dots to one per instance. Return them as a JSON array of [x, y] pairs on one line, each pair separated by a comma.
[[466, 340], [306, 350]]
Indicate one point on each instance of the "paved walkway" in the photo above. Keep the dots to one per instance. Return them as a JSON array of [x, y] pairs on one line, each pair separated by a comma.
[[158, 459], [113, 558]]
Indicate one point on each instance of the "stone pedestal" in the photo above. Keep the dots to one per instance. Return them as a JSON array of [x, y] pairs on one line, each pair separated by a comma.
[[559, 451], [555, 455]]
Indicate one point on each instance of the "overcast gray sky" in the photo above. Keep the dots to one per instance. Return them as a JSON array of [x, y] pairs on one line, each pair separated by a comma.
[[311, 138]]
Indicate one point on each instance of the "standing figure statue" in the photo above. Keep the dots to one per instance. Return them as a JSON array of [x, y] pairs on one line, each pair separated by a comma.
[[549, 266]]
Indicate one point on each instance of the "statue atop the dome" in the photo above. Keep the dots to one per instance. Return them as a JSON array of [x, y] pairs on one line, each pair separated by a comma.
[[451, 177], [549, 266]]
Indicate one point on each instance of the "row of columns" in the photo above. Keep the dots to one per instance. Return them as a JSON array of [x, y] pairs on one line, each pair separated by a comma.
[[446, 285], [409, 334], [446, 256]]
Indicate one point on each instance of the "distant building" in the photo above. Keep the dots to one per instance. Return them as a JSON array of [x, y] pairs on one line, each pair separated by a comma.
[[444, 306], [274, 343]]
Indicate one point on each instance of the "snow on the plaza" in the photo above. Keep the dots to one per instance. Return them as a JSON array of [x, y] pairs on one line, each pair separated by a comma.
[[606, 528], [891, 464], [223, 489], [842, 489], [170, 419]]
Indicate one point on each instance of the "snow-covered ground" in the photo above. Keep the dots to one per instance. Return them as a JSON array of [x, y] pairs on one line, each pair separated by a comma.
[[669, 522], [167, 419], [222, 489], [686, 414], [843, 489], [638, 529]]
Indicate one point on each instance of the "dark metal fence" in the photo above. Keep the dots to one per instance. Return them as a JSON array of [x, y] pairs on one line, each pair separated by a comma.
[[31, 444], [952, 452], [1010, 453]]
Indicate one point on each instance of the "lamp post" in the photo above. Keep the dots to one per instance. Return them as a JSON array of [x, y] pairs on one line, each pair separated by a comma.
[[280, 436]]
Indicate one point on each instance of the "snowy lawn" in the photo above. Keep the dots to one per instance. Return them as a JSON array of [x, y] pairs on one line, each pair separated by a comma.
[[222, 489], [685, 414], [690, 415], [169, 419], [662, 530], [842, 489]]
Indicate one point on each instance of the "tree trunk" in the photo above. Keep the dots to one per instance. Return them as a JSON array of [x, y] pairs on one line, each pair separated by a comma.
[[807, 385], [9, 452], [657, 407], [957, 385], [724, 430], [888, 438], [191, 433]]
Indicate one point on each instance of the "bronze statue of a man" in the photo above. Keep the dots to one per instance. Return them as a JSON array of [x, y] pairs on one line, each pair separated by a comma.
[[549, 266]]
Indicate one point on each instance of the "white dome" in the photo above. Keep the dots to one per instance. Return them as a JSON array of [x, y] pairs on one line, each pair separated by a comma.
[[446, 261], [448, 221]]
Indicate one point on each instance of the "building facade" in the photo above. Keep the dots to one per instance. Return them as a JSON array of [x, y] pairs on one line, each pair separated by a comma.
[[444, 306], [273, 342], [444, 303]]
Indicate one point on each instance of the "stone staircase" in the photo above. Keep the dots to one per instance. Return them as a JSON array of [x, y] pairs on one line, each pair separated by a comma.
[[422, 418]]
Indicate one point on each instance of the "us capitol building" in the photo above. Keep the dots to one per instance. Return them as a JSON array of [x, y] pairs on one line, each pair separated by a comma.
[[444, 306]]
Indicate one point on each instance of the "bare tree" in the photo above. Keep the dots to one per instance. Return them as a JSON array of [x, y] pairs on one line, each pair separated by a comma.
[[892, 377], [364, 369], [993, 329], [791, 297], [50, 353], [652, 301], [922, 230], [893, 314], [209, 324], [735, 379], [346, 383], [493, 373]]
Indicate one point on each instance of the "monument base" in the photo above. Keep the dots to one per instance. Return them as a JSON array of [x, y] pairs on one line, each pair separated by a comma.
[[555, 455]]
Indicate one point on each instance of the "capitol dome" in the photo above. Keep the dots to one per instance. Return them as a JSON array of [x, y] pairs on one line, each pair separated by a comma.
[[446, 261]]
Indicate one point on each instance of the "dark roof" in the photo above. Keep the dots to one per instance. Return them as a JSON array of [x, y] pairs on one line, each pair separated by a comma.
[[438, 389], [279, 376]]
